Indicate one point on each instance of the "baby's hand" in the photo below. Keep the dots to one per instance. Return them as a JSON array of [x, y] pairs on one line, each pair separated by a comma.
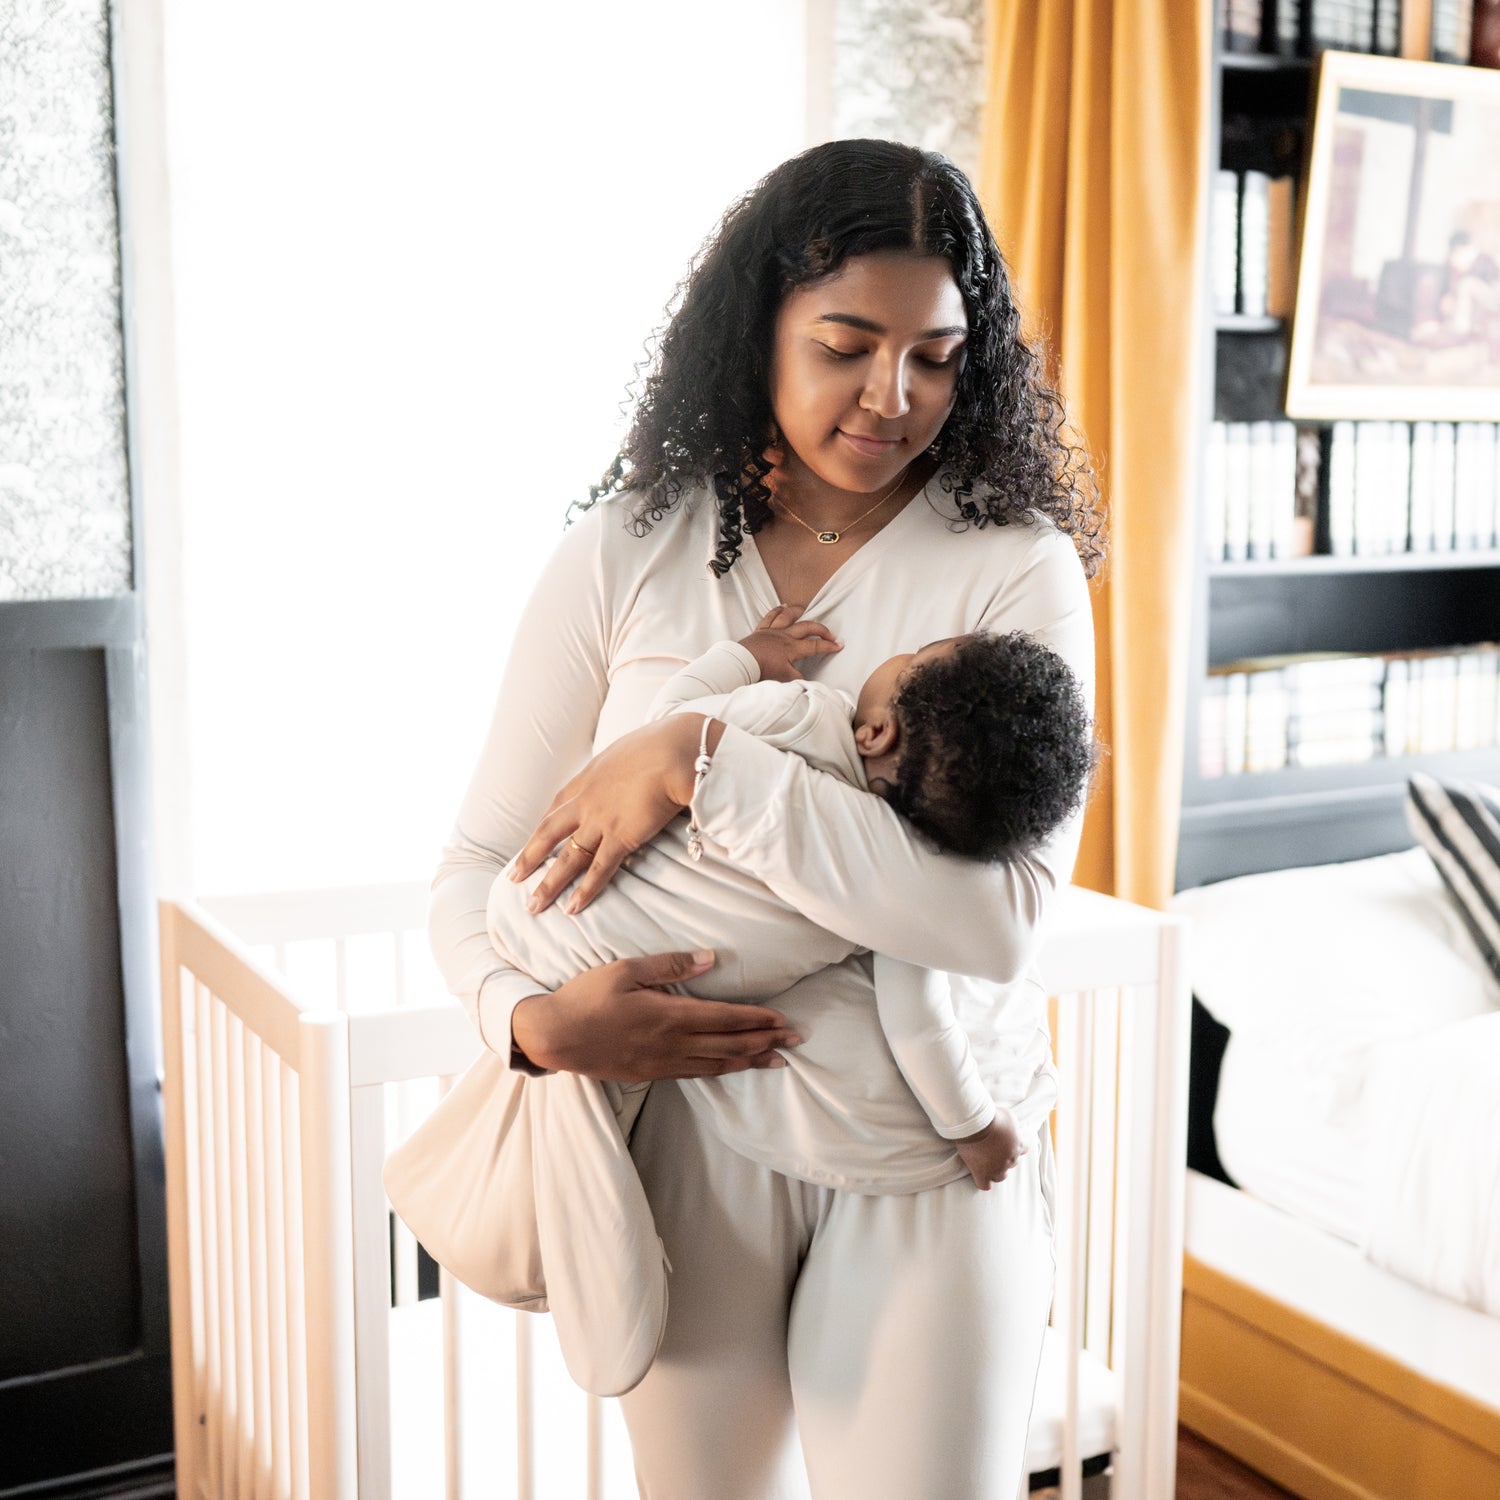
[[991, 1154], [783, 638]]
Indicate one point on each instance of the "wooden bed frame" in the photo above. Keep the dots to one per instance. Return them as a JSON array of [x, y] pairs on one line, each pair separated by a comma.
[[1332, 1406], [1311, 1389]]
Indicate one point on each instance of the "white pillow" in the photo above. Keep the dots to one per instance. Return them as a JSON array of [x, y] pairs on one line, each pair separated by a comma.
[[1332, 959]]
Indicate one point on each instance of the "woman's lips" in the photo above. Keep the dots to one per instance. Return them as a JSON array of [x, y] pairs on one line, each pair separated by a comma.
[[869, 446]]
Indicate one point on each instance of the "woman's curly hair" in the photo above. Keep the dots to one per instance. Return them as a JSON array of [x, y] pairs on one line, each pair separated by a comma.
[[996, 746], [704, 408]]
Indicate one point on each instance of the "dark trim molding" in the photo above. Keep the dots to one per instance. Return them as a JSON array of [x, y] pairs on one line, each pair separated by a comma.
[[1278, 833], [47, 624]]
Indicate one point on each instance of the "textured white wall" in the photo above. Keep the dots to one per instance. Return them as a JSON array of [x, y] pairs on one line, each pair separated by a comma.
[[64, 499], [911, 70]]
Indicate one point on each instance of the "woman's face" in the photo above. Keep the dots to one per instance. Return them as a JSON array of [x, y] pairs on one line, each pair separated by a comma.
[[864, 368]]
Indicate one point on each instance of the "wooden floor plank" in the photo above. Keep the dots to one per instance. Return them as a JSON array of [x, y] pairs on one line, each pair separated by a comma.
[[1203, 1473], [1207, 1473]]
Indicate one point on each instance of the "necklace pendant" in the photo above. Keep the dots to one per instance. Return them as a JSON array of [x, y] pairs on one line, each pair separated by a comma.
[[828, 537]]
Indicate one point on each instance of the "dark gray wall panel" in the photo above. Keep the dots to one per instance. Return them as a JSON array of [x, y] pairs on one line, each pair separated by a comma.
[[68, 1209]]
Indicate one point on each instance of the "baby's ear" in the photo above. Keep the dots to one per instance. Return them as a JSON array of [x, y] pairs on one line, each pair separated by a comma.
[[878, 735]]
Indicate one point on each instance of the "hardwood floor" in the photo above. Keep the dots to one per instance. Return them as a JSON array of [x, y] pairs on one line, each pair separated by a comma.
[[1203, 1473], [1206, 1473]]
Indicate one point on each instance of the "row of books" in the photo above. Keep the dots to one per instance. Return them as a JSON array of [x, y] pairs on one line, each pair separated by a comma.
[[1413, 487], [1273, 712], [1254, 260], [1255, 487], [1392, 487], [1300, 28]]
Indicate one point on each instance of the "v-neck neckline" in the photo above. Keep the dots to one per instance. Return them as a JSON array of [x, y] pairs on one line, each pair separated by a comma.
[[842, 578]]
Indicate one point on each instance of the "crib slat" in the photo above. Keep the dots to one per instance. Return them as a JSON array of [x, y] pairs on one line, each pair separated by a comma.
[[296, 1284], [1075, 1058], [226, 1475], [1104, 1007], [328, 1255], [208, 1153], [239, 1207], [372, 1290], [525, 1410], [275, 1257], [190, 1091], [594, 1417], [453, 1391], [1159, 1141], [179, 1125], [260, 1323]]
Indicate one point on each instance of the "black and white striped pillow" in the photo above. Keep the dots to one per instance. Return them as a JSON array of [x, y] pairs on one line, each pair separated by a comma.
[[1458, 824]]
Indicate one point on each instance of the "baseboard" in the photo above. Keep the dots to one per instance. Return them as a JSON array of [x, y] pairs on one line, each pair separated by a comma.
[[1262, 1451]]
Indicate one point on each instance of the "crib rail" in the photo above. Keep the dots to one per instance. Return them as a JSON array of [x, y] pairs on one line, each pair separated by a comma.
[[293, 1371], [259, 1225]]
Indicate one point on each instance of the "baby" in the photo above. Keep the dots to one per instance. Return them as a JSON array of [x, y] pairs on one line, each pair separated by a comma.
[[982, 742]]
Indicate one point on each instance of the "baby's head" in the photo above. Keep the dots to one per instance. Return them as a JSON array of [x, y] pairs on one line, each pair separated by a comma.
[[983, 742]]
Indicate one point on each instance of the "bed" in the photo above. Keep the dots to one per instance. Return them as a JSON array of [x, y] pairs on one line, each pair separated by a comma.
[[1341, 1313]]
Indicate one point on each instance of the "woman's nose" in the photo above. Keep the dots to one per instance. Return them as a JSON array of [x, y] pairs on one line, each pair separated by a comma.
[[885, 387]]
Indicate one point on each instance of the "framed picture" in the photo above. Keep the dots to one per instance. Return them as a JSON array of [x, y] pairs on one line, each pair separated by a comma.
[[1398, 287]]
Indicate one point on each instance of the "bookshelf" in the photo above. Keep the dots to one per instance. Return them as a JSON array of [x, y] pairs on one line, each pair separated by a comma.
[[1419, 608]]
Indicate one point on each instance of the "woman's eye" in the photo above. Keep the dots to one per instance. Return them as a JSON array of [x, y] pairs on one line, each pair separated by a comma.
[[835, 353], [934, 362]]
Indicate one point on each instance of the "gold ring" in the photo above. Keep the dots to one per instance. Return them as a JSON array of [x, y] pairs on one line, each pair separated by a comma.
[[580, 848]]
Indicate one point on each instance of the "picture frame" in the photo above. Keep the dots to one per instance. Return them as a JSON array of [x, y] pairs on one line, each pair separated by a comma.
[[1398, 291]]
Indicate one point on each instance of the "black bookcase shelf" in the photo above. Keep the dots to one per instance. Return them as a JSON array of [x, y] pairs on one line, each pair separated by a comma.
[[1361, 604]]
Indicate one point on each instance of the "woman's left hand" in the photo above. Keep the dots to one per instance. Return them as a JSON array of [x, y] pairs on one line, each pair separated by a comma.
[[625, 796]]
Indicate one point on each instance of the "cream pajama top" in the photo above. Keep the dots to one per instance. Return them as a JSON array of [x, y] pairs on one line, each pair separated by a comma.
[[614, 615]]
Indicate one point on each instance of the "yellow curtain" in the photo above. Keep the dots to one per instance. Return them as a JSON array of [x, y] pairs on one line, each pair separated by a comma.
[[1095, 159]]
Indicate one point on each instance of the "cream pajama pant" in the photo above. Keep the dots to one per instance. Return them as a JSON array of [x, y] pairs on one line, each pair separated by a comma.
[[897, 1335]]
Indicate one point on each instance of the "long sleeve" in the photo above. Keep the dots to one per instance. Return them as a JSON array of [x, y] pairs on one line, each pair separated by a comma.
[[817, 843], [930, 1047], [721, 669], [541, 733]]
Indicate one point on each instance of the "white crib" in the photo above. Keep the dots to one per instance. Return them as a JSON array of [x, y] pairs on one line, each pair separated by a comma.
[[306, 1032]]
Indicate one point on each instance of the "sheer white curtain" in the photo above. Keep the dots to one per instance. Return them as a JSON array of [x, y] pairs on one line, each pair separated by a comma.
[[417, 251]]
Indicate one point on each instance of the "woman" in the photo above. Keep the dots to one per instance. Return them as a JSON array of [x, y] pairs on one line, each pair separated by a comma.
[[842, 414]]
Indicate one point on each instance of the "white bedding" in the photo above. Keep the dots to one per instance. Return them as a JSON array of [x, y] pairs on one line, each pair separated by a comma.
[[1432, 1206], [1347, 990]]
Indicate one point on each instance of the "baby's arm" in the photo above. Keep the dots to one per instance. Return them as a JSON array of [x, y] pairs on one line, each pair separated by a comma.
[[770, 653], [934, 1056], [720, 670]]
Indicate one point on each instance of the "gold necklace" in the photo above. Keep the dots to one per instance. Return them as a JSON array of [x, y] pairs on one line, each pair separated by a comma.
[[828, 538]]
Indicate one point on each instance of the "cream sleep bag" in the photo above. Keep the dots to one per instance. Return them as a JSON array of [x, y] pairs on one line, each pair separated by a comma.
[[524, 1189]]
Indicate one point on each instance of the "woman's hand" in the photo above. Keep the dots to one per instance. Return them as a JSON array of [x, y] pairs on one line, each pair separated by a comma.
[[613, 1022], [626, 795], [992, 1152]]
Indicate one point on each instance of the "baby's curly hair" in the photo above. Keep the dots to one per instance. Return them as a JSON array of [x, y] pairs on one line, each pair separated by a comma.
[[996, 746], [704, 409]]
